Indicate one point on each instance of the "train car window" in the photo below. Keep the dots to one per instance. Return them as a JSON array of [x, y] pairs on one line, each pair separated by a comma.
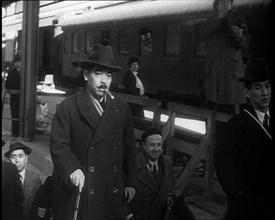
[[201, 48], [172, 40], [124, 41], [66, 43], [89, 41], [146, 42], [105, 38], [74, 42]]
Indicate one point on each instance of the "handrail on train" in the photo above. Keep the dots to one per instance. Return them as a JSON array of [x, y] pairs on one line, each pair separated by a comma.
[[153, 104]]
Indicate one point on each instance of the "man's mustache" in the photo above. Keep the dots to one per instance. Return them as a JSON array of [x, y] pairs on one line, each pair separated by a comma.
[[103, 87]]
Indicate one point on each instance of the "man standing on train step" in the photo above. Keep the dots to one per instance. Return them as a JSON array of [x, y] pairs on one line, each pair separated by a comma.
[[93, 147], [227, 35], [243, 156]]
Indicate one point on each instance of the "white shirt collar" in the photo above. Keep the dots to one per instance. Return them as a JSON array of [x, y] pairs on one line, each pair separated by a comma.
[[150, 165], [261, 115]]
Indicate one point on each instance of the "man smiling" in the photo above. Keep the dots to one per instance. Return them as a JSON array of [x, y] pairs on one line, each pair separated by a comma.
[[243, 157]]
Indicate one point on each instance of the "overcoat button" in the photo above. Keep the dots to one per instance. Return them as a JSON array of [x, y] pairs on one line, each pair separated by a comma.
[[92, 147], [115, 190], [92, 169], [91, 191], [115, 168]]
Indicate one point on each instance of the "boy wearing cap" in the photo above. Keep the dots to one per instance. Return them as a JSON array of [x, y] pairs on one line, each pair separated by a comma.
[[93, 146], [18, 155], [227, 36], [243, 155]]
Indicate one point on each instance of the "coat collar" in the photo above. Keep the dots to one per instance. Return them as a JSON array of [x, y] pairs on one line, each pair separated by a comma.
[[146, 177], [101, 124], [252, 113]]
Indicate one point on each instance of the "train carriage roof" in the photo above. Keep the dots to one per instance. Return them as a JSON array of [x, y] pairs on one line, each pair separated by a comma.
[[146, 11]]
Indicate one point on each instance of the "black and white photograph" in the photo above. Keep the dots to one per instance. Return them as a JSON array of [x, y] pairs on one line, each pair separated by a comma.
[[137, 110]]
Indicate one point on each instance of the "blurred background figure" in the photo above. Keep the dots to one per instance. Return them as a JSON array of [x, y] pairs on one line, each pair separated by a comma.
[[13, 83], [133, 85], [227, 36]]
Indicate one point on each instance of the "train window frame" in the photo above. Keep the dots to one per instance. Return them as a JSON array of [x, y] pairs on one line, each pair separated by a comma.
[[89, 41], [124, 38], [170, 41], [74, 44], [145, 44], [66, 43], [200, 44], [105, 36]]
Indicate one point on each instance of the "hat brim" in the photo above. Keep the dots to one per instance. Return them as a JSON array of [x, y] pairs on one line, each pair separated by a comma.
[[26, 149], [88, 64], [250, 79]]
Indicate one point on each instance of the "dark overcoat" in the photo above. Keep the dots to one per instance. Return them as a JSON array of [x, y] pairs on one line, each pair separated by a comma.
[[103, 147], [129, 82], [13, 82], [150, 201], [12, 192], [243, 161], [224, 62], [31, 185]]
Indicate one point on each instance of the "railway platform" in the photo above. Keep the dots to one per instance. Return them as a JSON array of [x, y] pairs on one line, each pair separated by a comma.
[[211, 208]]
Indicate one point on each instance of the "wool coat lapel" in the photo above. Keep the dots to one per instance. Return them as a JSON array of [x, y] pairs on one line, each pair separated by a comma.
[[107, 120], [145, 175], [101, 124], [257, 122], [87, 108]]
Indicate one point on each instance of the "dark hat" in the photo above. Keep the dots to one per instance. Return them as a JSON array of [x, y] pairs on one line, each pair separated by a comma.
[[256, 70], [132, 60], [100, 56], [17, 58], [150, 132], [16, 145], [216, 2]]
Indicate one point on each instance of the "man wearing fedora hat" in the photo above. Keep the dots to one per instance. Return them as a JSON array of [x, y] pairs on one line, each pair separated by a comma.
[[243, 155], [18, 155], [13, 82], [12, 193], [93, 146]]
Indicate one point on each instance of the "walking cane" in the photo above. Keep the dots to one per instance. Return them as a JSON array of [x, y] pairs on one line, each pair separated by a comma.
[[77, 204]]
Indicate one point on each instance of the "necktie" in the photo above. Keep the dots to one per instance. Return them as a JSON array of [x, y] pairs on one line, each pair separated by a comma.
[[155, 172], [265, 122], [21, 178], [102, 103]]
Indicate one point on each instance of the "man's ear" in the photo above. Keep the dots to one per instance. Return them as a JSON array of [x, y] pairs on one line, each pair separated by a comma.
[[247, 94], [85, 74]]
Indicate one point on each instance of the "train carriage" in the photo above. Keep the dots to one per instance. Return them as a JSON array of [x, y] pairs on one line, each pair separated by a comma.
[[164, 34]]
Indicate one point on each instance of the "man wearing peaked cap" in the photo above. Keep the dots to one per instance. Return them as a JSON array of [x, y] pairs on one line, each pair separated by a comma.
[[244, 153], [18, 154], [93, 146]]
